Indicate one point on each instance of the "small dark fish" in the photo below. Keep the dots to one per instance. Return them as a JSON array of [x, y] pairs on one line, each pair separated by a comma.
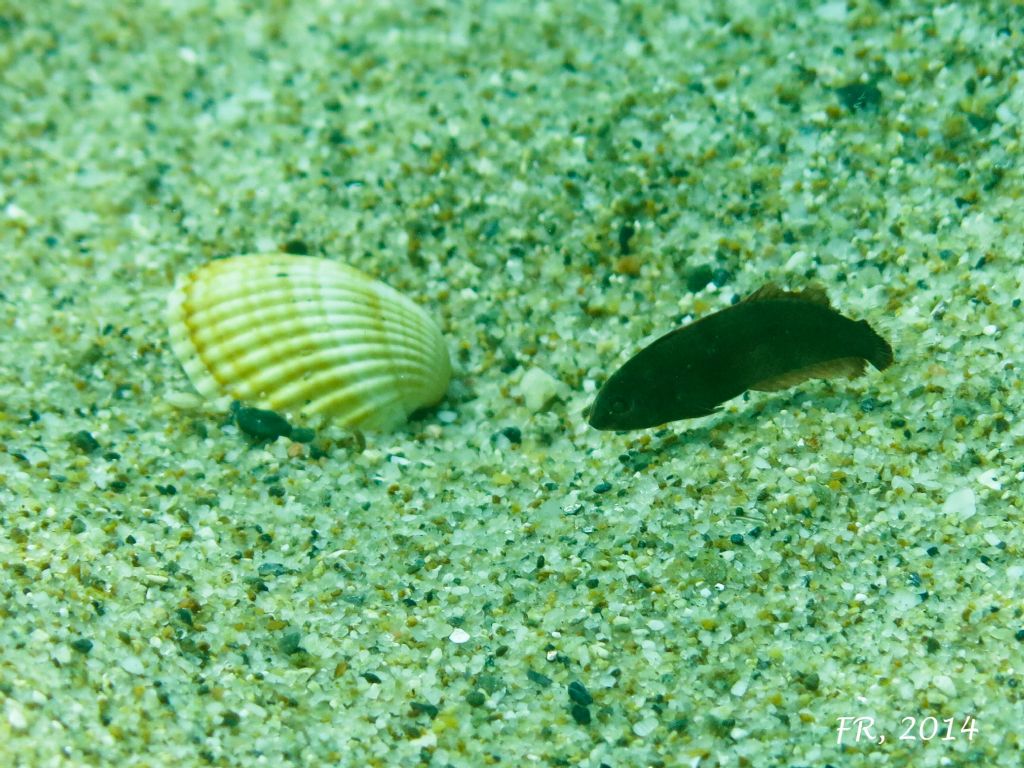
[[771, 340]]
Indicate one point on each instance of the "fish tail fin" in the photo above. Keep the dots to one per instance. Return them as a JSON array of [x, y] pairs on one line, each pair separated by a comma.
[[879, 352]]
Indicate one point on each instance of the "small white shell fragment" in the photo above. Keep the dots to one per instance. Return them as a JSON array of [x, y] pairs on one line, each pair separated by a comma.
[[183, 401], [945, 684], [458, 636], [538, 388], [132, 665], [16, 716], [990, 479], [960, 504], [645, 727], [308, 336]]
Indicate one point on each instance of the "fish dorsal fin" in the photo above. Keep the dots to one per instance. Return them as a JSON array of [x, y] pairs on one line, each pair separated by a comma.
[[850, 367], [813, 294], [766, 292]]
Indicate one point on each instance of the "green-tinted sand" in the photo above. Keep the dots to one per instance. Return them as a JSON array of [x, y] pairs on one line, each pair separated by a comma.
[[554, 185]]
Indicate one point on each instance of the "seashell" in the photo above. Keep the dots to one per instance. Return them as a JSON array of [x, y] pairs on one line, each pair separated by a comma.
[[308, 336]]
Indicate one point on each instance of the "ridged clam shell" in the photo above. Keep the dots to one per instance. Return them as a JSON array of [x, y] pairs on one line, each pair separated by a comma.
[[307, 336]]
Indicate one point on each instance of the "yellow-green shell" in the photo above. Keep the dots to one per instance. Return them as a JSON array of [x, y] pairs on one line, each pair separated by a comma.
[[307, 336]]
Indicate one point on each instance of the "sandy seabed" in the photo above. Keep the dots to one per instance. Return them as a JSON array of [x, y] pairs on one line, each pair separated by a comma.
[[495, 583]]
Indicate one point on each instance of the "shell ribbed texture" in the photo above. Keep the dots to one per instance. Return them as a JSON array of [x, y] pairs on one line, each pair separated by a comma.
[[307, 335]]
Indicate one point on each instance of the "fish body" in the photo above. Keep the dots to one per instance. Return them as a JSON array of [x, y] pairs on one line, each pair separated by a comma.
[[772, 340]]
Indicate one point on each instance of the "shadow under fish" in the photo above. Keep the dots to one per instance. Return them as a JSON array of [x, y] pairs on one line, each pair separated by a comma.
[[772, 340]]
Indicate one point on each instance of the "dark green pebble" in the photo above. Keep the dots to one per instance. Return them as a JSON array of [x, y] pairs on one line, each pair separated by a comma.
[[262, 425], [635, 461], [602, 487], [626, 232], [476, 698], [490, 683], [581, 714], [271, 569], [721, 725], [296, 247], [858, 95], [811, 681], [84, 441], [736, 538], [579, 694], [869, 404], [1019, 636], [82, 644], [290, 642], [536, 677], [88, 358], [699, 278], [371, 677], [184, 615], [78, 525], [513, 434], [679, 724], [230, 719], [423, 708]]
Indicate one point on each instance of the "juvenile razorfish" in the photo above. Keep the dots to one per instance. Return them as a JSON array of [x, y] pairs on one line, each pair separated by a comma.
[[771, 340]]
